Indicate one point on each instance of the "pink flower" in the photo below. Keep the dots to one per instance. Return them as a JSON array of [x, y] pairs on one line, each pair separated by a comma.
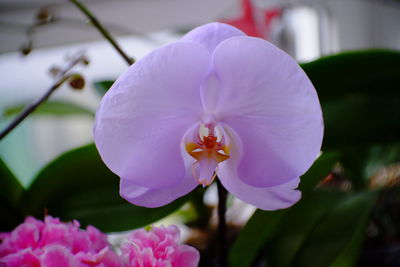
[[217, 102], [53, 243], [158, 247]]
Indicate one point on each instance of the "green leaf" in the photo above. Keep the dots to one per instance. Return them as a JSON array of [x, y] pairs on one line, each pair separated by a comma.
[[336, 231], [298, 224], [318, 171], [11, 189], [103, 86], [54, 108], [366, 72], [361, 162], [360, 96], [77, 185], [381, 155], [349, 256], [363, 119], [10, 192], [260, 228]]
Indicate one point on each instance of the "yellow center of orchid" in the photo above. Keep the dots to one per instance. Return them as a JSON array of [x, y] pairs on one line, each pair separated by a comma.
[[207, 150]]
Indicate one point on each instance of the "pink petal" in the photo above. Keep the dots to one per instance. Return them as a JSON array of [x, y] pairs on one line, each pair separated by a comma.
[[58, 256], [23, 257], [265, 198], [106, 257], [26, 235], [143, 117], [212, 34], [188, 256], [273, 107], [97, 239]]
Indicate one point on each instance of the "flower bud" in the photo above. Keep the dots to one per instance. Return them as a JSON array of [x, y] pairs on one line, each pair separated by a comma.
[[76, 81], [44, 16]]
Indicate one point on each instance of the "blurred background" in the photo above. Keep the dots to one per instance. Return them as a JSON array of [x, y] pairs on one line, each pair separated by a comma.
[[53, 30]]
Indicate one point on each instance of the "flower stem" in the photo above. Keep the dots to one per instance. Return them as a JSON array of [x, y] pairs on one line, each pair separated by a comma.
[[32, 107], [221, 241], [96, 23]]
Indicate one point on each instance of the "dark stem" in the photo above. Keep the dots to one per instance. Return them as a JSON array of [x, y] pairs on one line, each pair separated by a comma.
[[96, 23], [32, 107], [221, 235]]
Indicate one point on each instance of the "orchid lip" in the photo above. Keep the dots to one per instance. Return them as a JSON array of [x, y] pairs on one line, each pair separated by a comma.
[[208, 150]]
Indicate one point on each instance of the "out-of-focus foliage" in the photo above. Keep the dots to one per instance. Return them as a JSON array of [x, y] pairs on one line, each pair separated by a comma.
[[102, 86], [10, 193], [52, 108]]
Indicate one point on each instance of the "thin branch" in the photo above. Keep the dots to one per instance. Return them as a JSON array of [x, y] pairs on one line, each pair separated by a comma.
[[221, 242], [103, 31], [32, 107]]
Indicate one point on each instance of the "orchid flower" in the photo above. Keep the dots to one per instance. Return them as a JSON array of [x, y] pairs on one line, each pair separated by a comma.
[[217, 103]]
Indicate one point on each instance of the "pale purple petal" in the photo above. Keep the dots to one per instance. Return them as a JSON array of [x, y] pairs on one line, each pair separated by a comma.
[[206, 168], [272, 105], [265, 198], [151, 198], [210, 92], [143, 117], [212, 34]]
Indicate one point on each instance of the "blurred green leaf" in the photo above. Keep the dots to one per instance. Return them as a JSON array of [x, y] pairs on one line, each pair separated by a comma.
[[77, 185], [349, 255], [318, 171], [361, 162], [333, 234], [11, 189], [362, 120], [10, 192], [103, 86], [54, 108], [366, 72], [298, 223], [260, 228], [381, 155], [360, 96]]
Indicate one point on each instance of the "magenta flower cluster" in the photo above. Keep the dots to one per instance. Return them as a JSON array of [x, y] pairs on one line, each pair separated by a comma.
[[51, 243]]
